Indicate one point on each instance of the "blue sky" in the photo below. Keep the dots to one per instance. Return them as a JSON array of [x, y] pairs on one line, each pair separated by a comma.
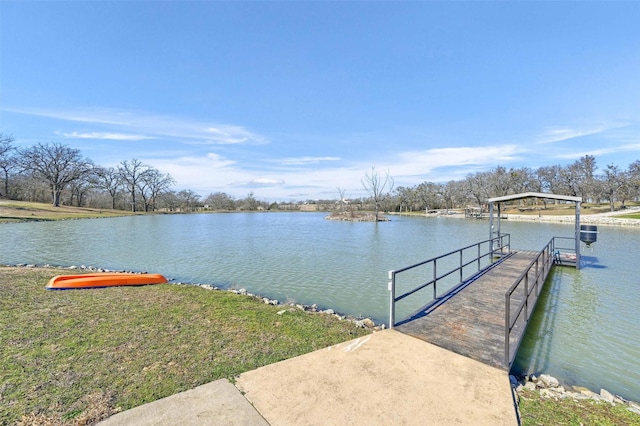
[[290, 100]]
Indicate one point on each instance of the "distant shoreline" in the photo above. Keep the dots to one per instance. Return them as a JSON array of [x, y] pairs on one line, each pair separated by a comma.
[[596, 219], [612, 218]]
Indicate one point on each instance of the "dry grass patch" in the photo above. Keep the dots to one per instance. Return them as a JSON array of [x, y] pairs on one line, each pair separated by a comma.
[[23, 211]]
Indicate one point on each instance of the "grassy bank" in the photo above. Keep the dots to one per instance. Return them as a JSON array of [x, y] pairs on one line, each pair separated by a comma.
[[558, 209], [24, 211], [536, 410], [77, 356], [631, 216]]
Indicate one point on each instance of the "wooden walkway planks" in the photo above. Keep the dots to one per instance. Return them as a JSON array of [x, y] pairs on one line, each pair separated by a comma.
[[472, 322]]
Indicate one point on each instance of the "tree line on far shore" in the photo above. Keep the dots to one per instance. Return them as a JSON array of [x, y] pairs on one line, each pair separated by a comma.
[[59, 174], [582, 178]]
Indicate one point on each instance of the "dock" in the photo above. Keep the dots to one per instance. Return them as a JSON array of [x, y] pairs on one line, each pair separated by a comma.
[[484, 317], [472, 322]]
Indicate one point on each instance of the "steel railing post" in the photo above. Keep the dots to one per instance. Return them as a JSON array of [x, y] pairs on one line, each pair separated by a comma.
[[435, 277], [526, 297], [537, 277], [392, 298], [507, 327], [460, 265]]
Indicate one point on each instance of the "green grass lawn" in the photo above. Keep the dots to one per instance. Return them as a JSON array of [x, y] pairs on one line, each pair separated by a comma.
[[536, 410], [630, 216], [79, 355]]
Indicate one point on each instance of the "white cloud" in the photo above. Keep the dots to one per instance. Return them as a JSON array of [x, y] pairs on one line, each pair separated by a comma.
[[563, 134], [109, 136], [213, 173], [299, 161], [407, 168], [228, 135], [266, 182], [152, 125], [198, 173], [423, 162], [86, 115], [601, 151], [559, 134]]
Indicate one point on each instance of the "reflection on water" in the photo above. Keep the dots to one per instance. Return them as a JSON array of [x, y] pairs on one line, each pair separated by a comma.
[[585, 329], [535, 357]]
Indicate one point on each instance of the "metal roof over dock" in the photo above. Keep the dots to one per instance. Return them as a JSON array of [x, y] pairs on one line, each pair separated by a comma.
[[495, 230]]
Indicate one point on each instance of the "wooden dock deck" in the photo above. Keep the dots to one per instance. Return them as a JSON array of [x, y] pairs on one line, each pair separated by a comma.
[[472, 321]]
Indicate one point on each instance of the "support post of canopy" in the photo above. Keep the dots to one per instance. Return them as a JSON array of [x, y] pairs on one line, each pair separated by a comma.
[[577, 234], [499, 214], [494, 227], [491, 220]]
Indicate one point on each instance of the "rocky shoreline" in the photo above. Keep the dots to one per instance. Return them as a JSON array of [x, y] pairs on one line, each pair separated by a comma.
[[292, 307], [612, 218], [584, 219], [549, 387], [356, 217]]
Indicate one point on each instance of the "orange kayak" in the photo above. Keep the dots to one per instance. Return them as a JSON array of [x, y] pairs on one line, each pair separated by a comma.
[[105, 279]]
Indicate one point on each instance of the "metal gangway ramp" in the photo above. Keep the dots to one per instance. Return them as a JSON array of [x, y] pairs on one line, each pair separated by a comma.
[[485, 316]]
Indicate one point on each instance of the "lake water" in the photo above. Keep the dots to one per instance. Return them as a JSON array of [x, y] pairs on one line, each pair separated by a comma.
[[585, 330]]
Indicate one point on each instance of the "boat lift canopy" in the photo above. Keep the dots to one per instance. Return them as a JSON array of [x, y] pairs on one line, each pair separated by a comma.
[[496, 231]]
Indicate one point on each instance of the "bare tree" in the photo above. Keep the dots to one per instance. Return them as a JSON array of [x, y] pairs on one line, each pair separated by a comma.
[[633, 175], [152, 183], [342, 201], [80, 188], [571, 178], [131, 173], [428, 195], [169, 200], [587, 170], [500, 182], [378, 188], [56, 164], [220, 201], [187, 199], [613, 181], [403, 198], [160, 186], [550, 180], [250, 203], [109, 179], [478, 187], [8, 161]]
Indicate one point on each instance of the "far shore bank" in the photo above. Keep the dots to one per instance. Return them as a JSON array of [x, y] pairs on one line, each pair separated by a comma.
[[22, 211], [609, 218]]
